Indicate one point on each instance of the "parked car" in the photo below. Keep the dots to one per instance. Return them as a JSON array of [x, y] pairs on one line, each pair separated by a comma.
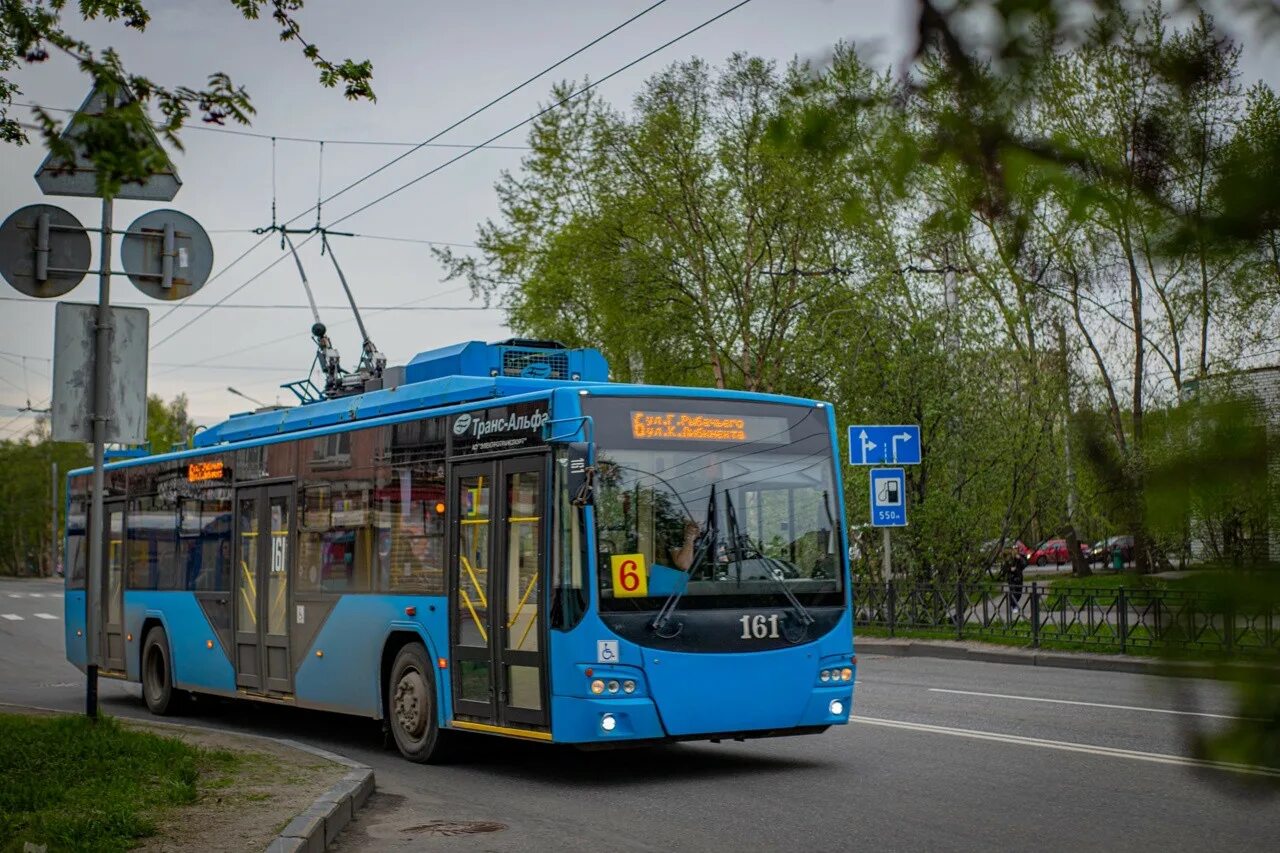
[[1103, 550], [1055, 551], [990, 551]]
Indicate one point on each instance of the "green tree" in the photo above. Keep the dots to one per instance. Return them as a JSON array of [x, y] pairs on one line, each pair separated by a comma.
[[168, 424], [25, 494]]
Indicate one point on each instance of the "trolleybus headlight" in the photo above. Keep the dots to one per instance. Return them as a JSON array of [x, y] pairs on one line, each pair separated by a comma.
[[836, 707], [628, 686], [597, 687], [613, 687], [608, 722], [846, 674], [825, 675]]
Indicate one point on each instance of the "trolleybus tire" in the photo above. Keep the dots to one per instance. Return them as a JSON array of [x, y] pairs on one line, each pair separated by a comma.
[[161, 696], [412, 708]]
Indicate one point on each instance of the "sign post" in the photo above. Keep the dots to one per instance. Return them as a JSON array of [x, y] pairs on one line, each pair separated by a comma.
[[44, 252], [101, 359]]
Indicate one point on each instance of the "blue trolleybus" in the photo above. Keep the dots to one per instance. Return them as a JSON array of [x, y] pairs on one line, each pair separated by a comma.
[[498, 540]]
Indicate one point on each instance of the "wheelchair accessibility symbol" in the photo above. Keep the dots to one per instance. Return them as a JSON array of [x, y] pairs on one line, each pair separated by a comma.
[[606, 651]]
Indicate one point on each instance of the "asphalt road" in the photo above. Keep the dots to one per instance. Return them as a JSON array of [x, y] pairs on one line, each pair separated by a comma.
[[941, 755]]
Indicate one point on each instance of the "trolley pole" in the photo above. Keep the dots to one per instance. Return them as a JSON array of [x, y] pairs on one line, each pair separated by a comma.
[[95, 593]]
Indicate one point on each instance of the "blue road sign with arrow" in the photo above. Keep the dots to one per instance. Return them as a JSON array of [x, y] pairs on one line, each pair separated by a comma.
[[884, 445], [888, 497]]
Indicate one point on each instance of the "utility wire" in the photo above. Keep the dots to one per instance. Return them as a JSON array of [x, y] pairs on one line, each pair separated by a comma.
[[542, 112], [400, 157], [231, 131], [292, 335], [491, 103], [249, 306]]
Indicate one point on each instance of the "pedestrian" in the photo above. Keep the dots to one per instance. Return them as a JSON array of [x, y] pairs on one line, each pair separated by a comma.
[[1015, 565]]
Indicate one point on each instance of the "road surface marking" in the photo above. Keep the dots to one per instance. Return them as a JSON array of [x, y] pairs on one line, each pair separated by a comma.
[[1089, 704], [12, 617], [15, 595], [36, 594], [1068, 746], [44, 616]]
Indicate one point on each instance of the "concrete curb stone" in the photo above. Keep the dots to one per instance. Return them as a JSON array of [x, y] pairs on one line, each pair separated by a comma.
[[316, 827]]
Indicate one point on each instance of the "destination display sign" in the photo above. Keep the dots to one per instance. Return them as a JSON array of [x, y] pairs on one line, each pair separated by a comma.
[[198, 472], [693, 426]]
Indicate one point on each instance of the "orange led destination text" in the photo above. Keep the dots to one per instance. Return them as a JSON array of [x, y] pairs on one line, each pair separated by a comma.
[[688, 427], [198, 471]]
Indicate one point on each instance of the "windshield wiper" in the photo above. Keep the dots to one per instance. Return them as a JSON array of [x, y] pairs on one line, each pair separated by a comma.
[[703, 545], [742, 545]]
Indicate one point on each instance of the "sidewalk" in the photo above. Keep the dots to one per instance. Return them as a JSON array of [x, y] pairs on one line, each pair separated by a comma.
[[992, 653]]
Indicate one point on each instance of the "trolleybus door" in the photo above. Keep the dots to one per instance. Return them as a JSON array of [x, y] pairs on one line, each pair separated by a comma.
[[112, 593], [496, 591], [264, 521]]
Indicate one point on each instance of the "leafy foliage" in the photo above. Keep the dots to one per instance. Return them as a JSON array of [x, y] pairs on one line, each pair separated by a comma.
[[118, 141]]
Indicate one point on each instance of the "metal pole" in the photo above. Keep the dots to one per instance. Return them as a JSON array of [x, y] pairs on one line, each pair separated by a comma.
[[93, 599], [887, 568], [53, 517]]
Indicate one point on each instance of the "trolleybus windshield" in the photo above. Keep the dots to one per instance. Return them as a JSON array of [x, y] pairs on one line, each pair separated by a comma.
[[670, 472]]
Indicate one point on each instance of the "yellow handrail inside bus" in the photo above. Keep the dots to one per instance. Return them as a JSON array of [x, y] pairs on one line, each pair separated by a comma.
[[484, 601], [466, 599]]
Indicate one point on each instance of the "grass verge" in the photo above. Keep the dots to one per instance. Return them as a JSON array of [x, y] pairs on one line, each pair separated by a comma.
[[71, 784]]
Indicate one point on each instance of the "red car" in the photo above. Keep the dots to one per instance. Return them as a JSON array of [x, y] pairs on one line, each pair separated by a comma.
[[1055, 551]]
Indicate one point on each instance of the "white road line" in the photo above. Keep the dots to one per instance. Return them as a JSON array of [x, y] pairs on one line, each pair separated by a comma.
[[1088, 704], [36, 594], [12, 617], [44, 616], [15, 595], [1067, 746]]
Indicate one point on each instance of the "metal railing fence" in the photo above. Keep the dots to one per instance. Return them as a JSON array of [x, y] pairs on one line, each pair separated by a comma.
[[1128, 620]]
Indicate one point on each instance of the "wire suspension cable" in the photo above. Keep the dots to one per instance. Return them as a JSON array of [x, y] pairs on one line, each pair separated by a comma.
[[273, 182], [319, 187]]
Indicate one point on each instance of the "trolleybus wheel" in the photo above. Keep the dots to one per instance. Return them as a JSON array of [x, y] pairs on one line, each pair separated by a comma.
[[411, 707], [157, 675]]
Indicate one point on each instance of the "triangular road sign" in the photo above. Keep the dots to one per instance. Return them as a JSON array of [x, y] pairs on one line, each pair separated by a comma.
[[54, 179]]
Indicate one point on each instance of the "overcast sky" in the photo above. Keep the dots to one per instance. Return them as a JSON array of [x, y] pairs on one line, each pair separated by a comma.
[[434, 62]]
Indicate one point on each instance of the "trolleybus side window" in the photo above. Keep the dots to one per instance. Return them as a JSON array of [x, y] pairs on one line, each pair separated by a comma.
[[336, 531]]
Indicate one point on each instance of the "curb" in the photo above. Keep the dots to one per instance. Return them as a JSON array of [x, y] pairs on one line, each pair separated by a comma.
[[319, 824], [1061, 660], [315, 828]]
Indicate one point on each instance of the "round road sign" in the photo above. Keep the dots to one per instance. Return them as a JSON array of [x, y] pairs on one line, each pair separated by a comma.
[[166, 254], [44, 250]]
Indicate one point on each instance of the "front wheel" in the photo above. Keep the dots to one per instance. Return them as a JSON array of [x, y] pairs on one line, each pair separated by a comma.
[[412, 708], [1042, 560], [157, 675]]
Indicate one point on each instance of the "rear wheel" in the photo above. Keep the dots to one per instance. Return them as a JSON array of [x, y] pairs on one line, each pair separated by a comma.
[[157, 675], [412, 707]]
